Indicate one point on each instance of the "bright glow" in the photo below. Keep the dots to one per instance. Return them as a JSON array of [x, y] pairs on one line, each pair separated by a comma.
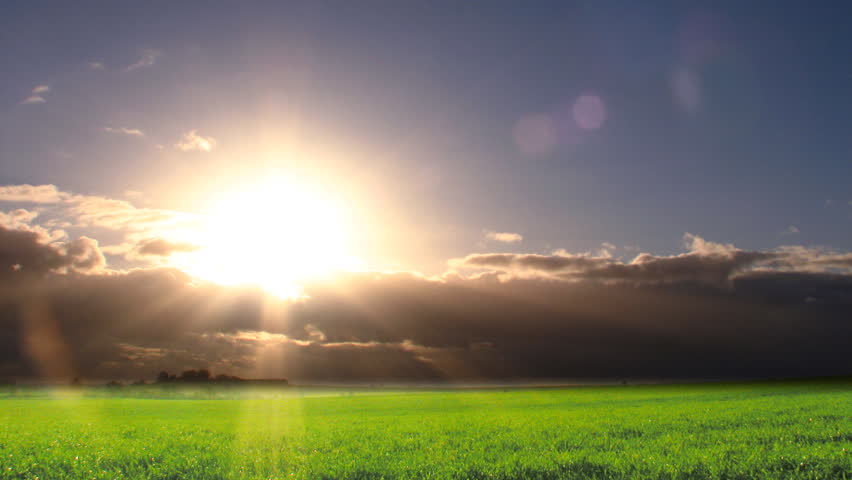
[[272, 234]]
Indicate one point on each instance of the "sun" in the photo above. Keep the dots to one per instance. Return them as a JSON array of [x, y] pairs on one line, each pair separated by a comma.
[[272, 233]]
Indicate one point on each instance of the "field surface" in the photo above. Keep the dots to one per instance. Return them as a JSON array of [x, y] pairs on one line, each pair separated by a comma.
[[737, 431]]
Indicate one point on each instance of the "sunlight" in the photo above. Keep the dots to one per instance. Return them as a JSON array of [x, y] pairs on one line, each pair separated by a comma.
[[272, 234]]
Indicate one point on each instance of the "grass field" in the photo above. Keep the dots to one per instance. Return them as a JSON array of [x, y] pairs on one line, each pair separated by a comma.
[[761, 430]]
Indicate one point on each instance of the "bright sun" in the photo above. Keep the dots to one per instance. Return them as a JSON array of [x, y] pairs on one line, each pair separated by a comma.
[[271, 234]]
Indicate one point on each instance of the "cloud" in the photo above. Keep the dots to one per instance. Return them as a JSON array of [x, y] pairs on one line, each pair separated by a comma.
[[138, 228], [96, 66], [36, 95], [606, 250], [33, 100], [133, 132], [706, 262], [23, 251], [23, 220], [27, 253], [713, 311], [112, 214], [768, 318], [149, 58], [17, 219], [31, 193], [799, 258], [162, 248], [558, 262], [835, 261], [504, 237], [94, 210], [84, 255], [191, 141], [315, 334], [791, 230]]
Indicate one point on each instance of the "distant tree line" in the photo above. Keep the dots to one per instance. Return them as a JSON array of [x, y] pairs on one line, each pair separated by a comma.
[[200, 376], [196, 376]]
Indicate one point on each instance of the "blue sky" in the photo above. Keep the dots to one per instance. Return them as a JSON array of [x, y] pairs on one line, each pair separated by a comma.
[[725, 120]]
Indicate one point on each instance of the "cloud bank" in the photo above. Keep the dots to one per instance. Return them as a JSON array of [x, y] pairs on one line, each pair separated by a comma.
[[714, 311]]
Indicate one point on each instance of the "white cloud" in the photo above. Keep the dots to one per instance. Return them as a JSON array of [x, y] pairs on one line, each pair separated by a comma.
[[606, 250], [96, 66], [95, 211], [22, 219], [504, 237], [36, 95], [191, 140], [33, 99], [791, 230], [314, 333], [134, 132], [32, 193], [19, 219], [696, 244], [149, 57]]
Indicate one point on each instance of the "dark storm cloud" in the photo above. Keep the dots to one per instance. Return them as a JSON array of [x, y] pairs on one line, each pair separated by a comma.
[[404, 327]]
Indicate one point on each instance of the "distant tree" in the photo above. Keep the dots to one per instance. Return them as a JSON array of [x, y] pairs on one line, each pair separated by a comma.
[[163, 377], [202, 375], [114, 383], [75, 382]]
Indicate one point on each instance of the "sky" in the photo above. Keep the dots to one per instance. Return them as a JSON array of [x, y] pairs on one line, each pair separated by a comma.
[[426, 190]]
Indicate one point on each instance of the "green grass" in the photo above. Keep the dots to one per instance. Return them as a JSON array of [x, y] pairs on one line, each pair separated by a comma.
[[736, 431]]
